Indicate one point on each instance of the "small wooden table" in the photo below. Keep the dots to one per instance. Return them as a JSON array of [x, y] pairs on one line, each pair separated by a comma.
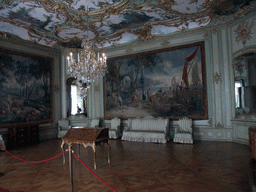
[[252, 142], [87, 137]]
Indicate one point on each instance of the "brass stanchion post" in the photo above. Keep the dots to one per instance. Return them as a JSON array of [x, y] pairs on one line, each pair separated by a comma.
[[70, 167]]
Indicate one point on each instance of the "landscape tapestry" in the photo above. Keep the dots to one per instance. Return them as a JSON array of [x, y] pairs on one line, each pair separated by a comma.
[[164, 83], [25, 84]]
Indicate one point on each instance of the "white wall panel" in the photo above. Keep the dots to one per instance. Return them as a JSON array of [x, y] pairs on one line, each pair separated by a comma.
[[217, 83]]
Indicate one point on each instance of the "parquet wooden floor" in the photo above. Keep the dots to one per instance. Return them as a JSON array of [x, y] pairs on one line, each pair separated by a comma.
[[205, 166]]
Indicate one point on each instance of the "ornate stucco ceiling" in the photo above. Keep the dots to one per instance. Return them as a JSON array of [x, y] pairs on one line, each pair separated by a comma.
[[56, 23]]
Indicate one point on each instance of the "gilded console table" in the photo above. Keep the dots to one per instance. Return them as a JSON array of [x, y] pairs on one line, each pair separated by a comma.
[[87, 137]]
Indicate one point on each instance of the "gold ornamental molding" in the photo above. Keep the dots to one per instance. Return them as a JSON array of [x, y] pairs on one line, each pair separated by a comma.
[[239, 67], [143, 33], [206, 35], [97, 88], [4, 35], [217, 78], [219, 126], [204, 16], [129, 50], [243, 51], [165, 43], [53, 54], [244, 31], [31, 44], [214, 31], [210, 122]]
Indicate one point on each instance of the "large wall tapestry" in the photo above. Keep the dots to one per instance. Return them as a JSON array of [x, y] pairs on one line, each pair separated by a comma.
[[25, 84], [164, 83]]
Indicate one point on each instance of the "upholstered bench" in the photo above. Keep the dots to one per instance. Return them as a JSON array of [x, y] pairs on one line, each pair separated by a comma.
[[147, 129]]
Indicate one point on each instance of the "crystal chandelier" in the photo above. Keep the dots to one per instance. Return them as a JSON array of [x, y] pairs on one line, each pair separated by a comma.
[[82, 91], [86, 65]]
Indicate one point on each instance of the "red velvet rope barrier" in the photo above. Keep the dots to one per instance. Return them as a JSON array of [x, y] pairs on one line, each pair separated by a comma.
[[94, 173], [58, 156], [32, 161]]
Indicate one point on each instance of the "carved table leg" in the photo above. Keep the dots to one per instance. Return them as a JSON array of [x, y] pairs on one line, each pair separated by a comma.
[[78, 150], [70, 167], [109, 151], [94, 154], [62, 144]]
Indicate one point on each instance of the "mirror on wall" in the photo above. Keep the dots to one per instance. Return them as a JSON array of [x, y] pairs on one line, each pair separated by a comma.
[[77, 99], [245, 83]]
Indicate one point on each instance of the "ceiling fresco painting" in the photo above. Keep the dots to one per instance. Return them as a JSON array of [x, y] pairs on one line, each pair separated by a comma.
[[58, 23]]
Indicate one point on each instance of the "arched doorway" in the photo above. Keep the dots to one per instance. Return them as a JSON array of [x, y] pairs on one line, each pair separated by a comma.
[[77, 102]]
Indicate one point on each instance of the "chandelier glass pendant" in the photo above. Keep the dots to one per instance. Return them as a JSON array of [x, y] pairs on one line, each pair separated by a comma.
[[87, 65], [82, 91]]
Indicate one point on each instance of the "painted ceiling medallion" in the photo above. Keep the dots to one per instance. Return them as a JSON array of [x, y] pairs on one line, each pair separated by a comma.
[[244, 31]]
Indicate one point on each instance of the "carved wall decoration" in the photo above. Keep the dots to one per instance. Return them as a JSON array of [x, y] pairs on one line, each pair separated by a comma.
[[206, 35], [97, 88], [239, 67], [214, 31], [210, 122], [219, 126], [217, 78], [241, 12], [244, 31]]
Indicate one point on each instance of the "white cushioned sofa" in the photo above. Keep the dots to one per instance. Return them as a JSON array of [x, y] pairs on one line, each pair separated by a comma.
[[147, 129], [79, 121], [84, 122]]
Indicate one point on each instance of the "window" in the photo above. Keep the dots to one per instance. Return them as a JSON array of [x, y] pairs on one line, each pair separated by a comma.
[[74, 99], [238, 86], [77, 102], [245, 83]]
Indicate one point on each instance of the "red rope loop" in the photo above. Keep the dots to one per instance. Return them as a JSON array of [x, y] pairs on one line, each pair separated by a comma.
[[32, 161], [94, 173]]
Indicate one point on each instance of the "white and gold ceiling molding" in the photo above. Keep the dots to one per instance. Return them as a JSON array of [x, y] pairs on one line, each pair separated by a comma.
[[113, 22]]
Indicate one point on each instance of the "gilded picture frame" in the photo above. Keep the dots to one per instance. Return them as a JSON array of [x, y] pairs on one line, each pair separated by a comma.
[[25, 81], [168, 83]]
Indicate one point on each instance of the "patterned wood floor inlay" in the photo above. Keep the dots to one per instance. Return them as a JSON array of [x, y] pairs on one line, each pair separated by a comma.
[[205, 166]]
